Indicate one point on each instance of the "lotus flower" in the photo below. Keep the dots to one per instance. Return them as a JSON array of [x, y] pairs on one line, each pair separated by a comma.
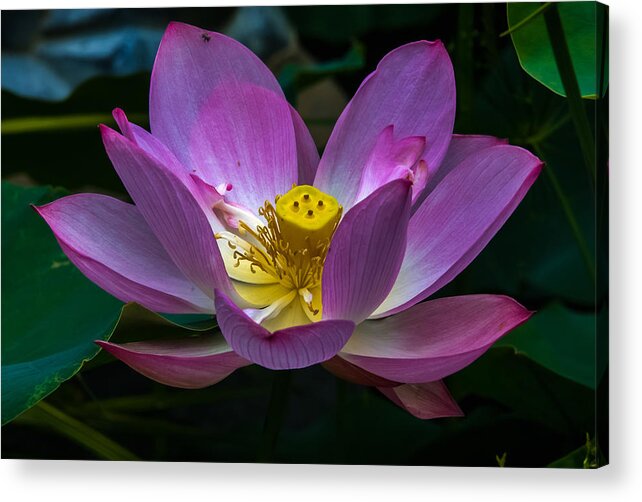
[[303, 260]]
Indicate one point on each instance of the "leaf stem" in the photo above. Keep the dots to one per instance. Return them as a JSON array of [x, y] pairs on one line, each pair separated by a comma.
[[45, 415], [22, 125], [571, 87], [526, 20], [546, 132], [570, 216], [275, 415]]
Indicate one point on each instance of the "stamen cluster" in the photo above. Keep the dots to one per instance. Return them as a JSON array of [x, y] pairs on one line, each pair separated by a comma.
[[293, 243]]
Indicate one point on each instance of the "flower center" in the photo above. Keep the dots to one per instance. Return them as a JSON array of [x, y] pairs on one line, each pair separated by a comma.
[[292, 244]]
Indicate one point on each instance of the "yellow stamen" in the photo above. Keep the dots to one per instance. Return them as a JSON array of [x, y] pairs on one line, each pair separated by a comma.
[[292, 245]]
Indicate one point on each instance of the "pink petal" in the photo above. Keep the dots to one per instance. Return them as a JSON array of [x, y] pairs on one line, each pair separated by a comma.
[[458, 219], [151, 145], [433, 339], [189, 65], [349, 372], [189, 363], [307, 152], [391, 158], [244, 136], [110, 242], [295, 347], [157, 150], [425, 400], [172, 212], [365, 253], [460, 147], [413, 89]]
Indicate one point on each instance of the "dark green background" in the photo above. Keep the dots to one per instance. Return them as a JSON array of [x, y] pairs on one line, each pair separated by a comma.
[[535, 396]]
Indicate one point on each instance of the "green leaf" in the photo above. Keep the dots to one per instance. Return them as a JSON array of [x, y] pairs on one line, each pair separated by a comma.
[[193, 322], [528, 390], [559, 339], [582, 23], [138, 323], [51, 314]]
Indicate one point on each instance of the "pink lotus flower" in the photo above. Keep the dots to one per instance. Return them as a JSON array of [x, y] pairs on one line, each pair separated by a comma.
[[304, 261]]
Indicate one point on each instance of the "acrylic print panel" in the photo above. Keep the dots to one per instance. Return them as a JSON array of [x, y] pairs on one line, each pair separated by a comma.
[[313, 234]]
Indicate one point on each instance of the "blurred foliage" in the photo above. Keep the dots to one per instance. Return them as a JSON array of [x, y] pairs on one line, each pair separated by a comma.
[[530, 401], [587, 456], [46, 54], [329, 25], [583, 24], [294, 78]]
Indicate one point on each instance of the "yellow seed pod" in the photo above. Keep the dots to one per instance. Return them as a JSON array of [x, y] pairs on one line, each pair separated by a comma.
[[307, 217]]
